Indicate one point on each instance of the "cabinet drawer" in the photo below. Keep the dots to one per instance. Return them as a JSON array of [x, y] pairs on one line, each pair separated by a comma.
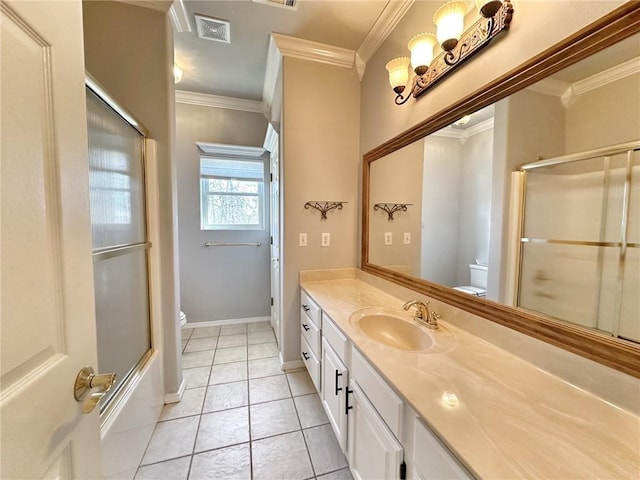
[[311, 362], [310, 332], [334, 336], [383, 398], [431, 459], [310, 308]]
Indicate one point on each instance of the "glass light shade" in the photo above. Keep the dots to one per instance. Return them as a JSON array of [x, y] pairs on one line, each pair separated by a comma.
[[398, 69], [421, 48], [488, 8], [177, 74], [449, 19]]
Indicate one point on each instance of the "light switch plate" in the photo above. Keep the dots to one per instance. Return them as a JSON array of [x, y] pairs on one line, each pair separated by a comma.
[[407, 238], [388, 238], [302, 240], [326, 240]]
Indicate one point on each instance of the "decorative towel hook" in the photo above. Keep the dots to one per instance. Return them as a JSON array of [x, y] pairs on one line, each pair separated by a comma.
[[392, 208], [324, 207]]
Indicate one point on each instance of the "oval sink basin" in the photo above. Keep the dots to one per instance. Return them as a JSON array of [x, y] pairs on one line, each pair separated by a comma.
[[398, 329]]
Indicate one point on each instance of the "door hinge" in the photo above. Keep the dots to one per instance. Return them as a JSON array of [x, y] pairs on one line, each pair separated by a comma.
[[272, 301], [271, 240], [271, 176], [403, 471]]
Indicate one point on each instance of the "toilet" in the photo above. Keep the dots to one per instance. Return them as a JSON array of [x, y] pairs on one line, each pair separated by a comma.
[[478, 280]]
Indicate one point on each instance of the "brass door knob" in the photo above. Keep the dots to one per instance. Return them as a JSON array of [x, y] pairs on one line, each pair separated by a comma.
[[85, 382]]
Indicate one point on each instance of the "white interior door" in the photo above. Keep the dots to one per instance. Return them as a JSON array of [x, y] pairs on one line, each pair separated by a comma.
[[47, 306], [272, 145]]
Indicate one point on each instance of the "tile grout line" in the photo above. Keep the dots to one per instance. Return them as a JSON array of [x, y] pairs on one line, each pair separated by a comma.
[[249, 412], [195, 440], [304, 439]]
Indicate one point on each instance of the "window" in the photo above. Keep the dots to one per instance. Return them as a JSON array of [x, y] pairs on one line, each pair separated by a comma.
[[232, 194]]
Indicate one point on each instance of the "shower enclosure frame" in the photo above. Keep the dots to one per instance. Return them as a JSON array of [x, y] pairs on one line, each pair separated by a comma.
[[604, 153]]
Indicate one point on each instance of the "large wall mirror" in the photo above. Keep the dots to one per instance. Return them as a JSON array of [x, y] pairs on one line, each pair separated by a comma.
[[552, 250]]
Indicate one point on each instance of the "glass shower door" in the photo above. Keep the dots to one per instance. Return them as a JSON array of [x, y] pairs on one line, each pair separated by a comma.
[[118, 217], [580, 256]]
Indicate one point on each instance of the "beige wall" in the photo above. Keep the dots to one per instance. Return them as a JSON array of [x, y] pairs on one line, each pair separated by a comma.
[[129, 50], [320, 135], [528, 125], [222, 283], [604, 116], [397, 179]]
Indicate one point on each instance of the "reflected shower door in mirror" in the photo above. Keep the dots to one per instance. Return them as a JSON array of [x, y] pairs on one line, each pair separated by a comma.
[[456, 233], [580, 240]]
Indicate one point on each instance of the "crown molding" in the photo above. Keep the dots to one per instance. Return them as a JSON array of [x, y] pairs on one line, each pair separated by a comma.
[[610, 75], [228, 150], [179, 17], [569, 92], [313, 51], [390, 16], [360, 65], [270, 139], [217, 101], [272, 70], [464, 134]]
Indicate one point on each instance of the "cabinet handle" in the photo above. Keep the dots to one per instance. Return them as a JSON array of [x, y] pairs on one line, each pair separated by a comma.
[[305, 355], [306, 308], [338, 374], [347, 407], [306, 327]]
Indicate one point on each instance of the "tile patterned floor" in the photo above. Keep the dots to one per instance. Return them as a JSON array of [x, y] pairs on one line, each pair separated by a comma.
[[241, 417]]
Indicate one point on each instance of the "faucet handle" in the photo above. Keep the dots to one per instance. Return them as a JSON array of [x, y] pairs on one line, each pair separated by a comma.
[[433, 320]]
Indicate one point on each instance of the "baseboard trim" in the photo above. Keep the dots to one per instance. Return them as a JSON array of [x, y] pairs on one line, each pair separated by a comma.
[[176, 396], [290, 366], [230, 321]]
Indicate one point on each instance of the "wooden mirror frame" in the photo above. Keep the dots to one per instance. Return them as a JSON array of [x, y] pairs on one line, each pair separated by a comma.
[[619, 354]]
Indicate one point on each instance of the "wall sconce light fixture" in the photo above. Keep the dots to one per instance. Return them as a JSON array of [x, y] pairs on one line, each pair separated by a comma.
[[457, 45]]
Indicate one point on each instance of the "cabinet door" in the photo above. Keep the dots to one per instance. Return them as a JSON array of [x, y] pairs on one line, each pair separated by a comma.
[[374, 452], [334, 380], [431, 459]]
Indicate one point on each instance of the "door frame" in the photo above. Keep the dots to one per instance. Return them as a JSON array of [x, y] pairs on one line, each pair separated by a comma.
[[142, 395], [272, 145]]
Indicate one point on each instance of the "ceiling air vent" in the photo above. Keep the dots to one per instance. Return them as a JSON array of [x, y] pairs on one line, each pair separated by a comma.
[[288, 4], [213, 29]]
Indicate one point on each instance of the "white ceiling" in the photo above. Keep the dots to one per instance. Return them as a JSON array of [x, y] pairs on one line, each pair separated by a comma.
[[237, 69]]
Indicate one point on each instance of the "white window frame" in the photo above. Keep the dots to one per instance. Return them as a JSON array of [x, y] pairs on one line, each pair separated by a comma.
[[232, 152]]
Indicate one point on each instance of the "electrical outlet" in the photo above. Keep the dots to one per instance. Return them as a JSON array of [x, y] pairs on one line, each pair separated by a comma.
[[302, 239], [326, 240], [407, 238], [388, 238]]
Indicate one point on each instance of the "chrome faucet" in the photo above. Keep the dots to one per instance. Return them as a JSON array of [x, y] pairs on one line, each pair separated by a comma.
[[423, 315]]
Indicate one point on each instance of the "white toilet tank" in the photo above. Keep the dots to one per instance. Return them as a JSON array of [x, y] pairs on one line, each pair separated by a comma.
[[478, 275]]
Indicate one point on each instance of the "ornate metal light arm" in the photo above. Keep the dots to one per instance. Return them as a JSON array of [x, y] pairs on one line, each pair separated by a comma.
[[392, 208], [474, 39], [324, 207]]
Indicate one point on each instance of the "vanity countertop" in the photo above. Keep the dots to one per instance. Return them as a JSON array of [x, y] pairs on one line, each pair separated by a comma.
[[512, 420]]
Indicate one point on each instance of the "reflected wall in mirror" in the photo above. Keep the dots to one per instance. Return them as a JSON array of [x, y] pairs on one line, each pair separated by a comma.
[[464, 225]]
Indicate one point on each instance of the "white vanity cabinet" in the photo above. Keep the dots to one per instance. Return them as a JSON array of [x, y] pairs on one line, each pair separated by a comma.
[[310, 338], [335, 379], [375, 420], [376, 430], [432, 460]]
